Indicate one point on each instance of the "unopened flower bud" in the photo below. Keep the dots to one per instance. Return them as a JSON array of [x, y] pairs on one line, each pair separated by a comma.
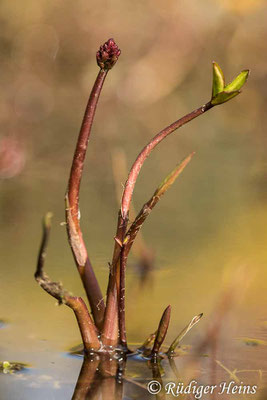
[[108, 55]]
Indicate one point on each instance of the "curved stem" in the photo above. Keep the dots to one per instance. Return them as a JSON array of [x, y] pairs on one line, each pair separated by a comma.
[[114, 287], [137, 165], [77, 244], [152, 202], [132, 233]]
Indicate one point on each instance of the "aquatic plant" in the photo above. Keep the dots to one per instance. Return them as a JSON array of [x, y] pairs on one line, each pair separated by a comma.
[[105, 331]]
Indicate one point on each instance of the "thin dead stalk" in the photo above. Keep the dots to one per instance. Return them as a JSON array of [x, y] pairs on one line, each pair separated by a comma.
[[55, 289], [182, 334]]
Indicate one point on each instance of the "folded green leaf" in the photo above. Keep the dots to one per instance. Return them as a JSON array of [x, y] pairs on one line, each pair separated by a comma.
[[238, 82], [218, 80], [223, 97]]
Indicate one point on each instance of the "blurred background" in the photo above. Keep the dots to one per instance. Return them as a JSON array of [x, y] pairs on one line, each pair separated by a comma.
[[211, 223]]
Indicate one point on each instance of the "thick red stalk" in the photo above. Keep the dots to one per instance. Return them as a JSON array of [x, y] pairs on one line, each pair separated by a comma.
[[106, 58], [111, 322], [85, 323], [76, 241]]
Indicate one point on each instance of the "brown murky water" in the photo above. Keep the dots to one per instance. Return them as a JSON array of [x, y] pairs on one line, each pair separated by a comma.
[[36, 332]]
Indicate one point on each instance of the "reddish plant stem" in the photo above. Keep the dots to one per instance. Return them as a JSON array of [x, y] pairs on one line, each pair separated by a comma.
[[111, 322], [112, 296], [126, 200], [87, 380], [137, 165], [162, 331], [122, 323], [152, 202], [85, 323], [131, 235], [110, 388], [77, 244]]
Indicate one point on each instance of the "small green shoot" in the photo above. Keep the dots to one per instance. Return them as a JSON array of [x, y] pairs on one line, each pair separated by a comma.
[[218, 80], [238, 82], [222, 93]]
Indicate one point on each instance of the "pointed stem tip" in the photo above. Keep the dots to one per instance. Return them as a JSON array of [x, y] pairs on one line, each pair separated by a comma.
[[162, 331], [108, 55]]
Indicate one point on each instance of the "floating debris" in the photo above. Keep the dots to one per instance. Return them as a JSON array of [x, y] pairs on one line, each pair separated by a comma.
[[9, 367], [77, 350], [253, 342]]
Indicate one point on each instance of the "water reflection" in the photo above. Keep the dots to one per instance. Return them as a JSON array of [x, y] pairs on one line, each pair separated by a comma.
[[102, 377], [99, 376]]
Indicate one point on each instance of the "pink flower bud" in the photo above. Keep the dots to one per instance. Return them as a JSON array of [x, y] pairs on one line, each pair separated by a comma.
[[108, 55]]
